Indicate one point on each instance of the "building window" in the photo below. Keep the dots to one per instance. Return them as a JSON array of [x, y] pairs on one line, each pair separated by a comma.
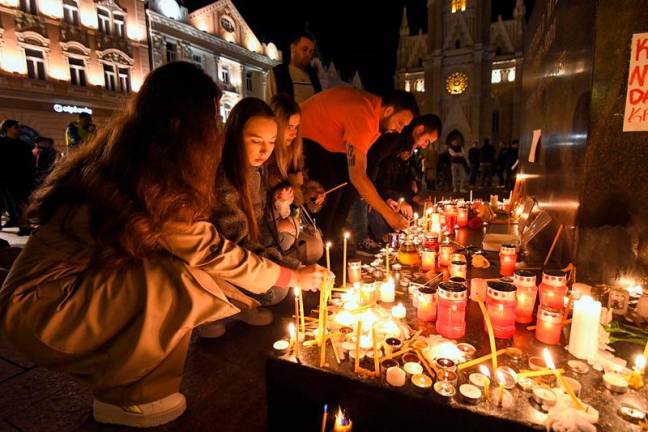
[[496, 76], [249, 81], [225, 110], [29, 6], [110, 77], [71, 12], [171, 52], [407, 85], [457, 5], [118, 20], [35, 64], [197, 59], [104, 21], [77, 71], [502, 75], [124, 80], [225, 76], [420, 85]]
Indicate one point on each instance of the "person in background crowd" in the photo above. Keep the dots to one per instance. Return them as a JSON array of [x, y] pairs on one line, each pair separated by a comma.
[[344, 120], [486, 163], [298, 79], [79, 132], [458, 162], [418, 135], [17, 174], [285, 170], [501, 162], [512, 164], [431, 160], [239, 213], [444, 170], [46, 156], [474, 161], [125, 263]]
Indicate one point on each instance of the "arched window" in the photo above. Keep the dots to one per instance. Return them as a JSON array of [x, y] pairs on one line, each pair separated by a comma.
[[457, 6]]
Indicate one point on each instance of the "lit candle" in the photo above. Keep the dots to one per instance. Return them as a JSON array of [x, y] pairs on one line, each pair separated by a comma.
[[296, 291], [396, 376], [342, 423], [357, 346], [553, 289], [435, 225], [458, 269], [399, 311], [375, 351], [500, 304], [565, 385], [368, 291], [428, 260], [445, 251], [294, 343], [354, 271], [451, 313], [635, 380], [387, 258], [491, 335], [549, 325], [450, 216], [328, 256], [526, 291], [324, 418], [301, 310], [344, 259], [486, 382], [508, 257], [500, 393], [427, 304], [388, 291], [583, 338], [462, 217]]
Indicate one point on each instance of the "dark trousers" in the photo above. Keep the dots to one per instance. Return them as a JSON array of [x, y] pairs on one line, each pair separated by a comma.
[[486, 174], [330, 169], [474, 172]]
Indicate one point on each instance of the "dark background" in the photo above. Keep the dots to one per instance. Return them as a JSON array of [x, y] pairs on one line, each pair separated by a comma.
[[357, 35]]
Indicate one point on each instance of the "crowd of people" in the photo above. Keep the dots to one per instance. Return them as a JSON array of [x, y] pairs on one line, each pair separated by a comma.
[[166, 223]]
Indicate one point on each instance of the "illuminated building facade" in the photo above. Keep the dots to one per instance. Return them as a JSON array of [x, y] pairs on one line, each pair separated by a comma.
[[466, 69]]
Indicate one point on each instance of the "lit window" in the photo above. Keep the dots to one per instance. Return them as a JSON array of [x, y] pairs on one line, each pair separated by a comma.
[[420, 85], [110, 77], [496, 76], [35, 64], [458, 5], [119, 25], [407, 85], [29, 6], [124, 80], [71, 12], [225, 75], [171, 52], [77, 71], [511, 75], [249, 82], [104, 21]]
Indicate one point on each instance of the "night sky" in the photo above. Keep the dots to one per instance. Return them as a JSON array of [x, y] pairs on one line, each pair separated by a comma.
[[355, 34]]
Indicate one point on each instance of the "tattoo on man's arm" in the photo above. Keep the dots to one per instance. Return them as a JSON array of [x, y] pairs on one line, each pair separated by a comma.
[[350, 155]]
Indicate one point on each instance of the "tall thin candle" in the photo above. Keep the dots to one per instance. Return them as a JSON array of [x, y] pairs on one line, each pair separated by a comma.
[[375, 351], [387, 256], [301, 311], [328, 256], [296, 291], [563, 382], [357, 347], [344, 259], [491, 335]]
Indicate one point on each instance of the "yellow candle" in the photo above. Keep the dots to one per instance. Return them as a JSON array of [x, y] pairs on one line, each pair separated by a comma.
[[357, 347], [291, 332], [559, 377], [301, 311], [324, 417], [491, 336], [645, 353], [375, 351], [328, 256], [342, 424], [538, 373], [344, 260], [500, 396], [481, 359], [387, 260], [484, 370], [296, 291]]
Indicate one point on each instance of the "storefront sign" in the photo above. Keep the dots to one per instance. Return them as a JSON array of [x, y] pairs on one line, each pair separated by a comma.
[[71, 109], [636, 108]]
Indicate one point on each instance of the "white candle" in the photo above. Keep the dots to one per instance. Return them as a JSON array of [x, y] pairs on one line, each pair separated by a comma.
[[399, 311], [388, 291], [396, 376], [583, 340]]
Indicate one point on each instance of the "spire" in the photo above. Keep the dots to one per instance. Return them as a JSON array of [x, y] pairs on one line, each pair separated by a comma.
[[520, 9], [404, 30]]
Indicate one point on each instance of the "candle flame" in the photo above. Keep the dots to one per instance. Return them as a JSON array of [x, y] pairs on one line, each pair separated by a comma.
[[548, 360], [484, 370], [296, 291], [500, 377], [640, 362], [328, 245], [346, 235], [291, 330], [340, 418]]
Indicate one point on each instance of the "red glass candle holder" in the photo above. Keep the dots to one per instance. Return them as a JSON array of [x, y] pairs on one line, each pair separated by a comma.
[[431, 242], [462, 217], [508, 257], [526, 292], [553, 289], [428, 260], [500, 303], [450, 217], [549, 325], [426, 308], [445, 252], [451, 313]]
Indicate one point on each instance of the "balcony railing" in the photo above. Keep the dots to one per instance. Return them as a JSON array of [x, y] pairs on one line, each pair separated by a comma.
[[73, 33], [106, 41]]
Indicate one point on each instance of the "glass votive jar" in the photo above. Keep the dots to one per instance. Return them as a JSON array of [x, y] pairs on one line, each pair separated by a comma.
[[462, 216], [549, 325], [553, 289], [451, 311], [428, 259], [431, 242], [458, 269], [450, 217], [445, 252], [507, 258], [526, 292], [408, 254], [426, 308], [354, 271], [368, 291], [500, 303], [388, 291]]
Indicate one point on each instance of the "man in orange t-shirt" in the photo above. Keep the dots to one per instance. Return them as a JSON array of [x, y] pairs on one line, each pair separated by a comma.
[[339, 126]]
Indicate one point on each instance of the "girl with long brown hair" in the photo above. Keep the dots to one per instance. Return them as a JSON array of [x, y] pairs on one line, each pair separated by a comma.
[[125, 264]]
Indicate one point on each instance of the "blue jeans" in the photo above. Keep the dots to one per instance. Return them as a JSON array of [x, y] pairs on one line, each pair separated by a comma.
[[359, 220]]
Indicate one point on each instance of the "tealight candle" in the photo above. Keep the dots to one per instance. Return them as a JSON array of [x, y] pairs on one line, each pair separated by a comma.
[[427, 304], [388, 291], [615, 382], [526, 292], [470, 393], [428, 260], [553, 289], [410, 358], [446, 364], [631, 413], [413, 368], [281, 346], [508, 257], [479, 380], [445, 389], [549, 325], [385, 365], [398, 311], [367, 291], [421, 381], [449, 376], [396, 376], [544, 397], [467, 350], [636, 381], [451, 314], [500, 303], [525, 383], [392, 344], [354, 271]]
